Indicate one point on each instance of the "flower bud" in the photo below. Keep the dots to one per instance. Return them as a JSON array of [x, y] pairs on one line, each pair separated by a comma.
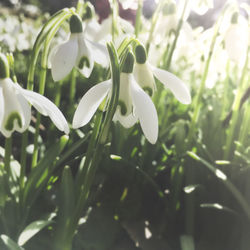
[[140, 54], [4, 67], [128, 64], [75, 24]]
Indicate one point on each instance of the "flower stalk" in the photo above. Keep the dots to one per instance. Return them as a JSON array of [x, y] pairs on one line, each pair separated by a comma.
[[47, 33], [86, 174], [235, 112]]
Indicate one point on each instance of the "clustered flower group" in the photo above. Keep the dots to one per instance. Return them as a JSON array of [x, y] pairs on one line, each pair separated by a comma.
[[137, 86]]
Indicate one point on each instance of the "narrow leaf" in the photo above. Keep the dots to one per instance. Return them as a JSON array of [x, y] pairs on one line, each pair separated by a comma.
[[12, 245], [31, 230]]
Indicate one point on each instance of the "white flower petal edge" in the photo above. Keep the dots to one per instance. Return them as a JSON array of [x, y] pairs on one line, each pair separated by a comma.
[[99, 52], [46, 108], [90, 102], [26, 111], [169, 80], [126, 121], [64, 59], [12, 109], [145, 111]]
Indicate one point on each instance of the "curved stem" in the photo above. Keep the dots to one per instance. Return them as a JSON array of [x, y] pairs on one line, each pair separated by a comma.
[[94, 154], [177, 34], [55, 20]]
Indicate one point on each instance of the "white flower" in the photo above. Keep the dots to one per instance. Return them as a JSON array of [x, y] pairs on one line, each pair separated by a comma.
[[201, 6], [236, 40], [15, 111], [77, 51], [134, 105], [145, 73]]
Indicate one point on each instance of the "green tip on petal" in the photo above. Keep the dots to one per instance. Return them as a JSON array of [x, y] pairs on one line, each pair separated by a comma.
[[84, 61], [14, 116], [123, 108], [234, 18], [148, 90], [89, 11], [128, 63], [75, 24], [140, 54], [4, 67]]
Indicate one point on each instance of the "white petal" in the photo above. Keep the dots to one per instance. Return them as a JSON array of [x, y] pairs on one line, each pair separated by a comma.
[[64, 58], [90, 102], [178, 88], [12, 105], [26, 112], [146, 112], [46, 108], [85, 51], [92, 29], [99, 52], [126, 121], [144, 76]]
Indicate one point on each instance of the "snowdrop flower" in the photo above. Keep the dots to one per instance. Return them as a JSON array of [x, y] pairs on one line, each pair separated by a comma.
[[145, 73], [236, 39], [77, 51], [201, 6], [134, 103], [15, 109]]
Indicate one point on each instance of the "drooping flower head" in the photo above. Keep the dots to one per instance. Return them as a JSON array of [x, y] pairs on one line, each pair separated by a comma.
[[137, 85], [237, 39], [77, 51], [144, 74], [15, 109]]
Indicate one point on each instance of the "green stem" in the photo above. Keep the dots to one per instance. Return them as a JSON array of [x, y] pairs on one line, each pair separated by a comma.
[[153, 23], [55, 21], [138, 18], [245, 127], [94, 153], [190, 173], [177, 33], [235, 113], [115, 14], [7, 155], [226, 89], [58, 93], [43, 74], [197, 101]]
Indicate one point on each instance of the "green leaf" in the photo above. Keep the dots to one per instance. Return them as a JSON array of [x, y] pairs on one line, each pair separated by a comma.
[[12, 245], [66, 195], [218, 206], [42, 171], [31, 230], [228, 184]]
